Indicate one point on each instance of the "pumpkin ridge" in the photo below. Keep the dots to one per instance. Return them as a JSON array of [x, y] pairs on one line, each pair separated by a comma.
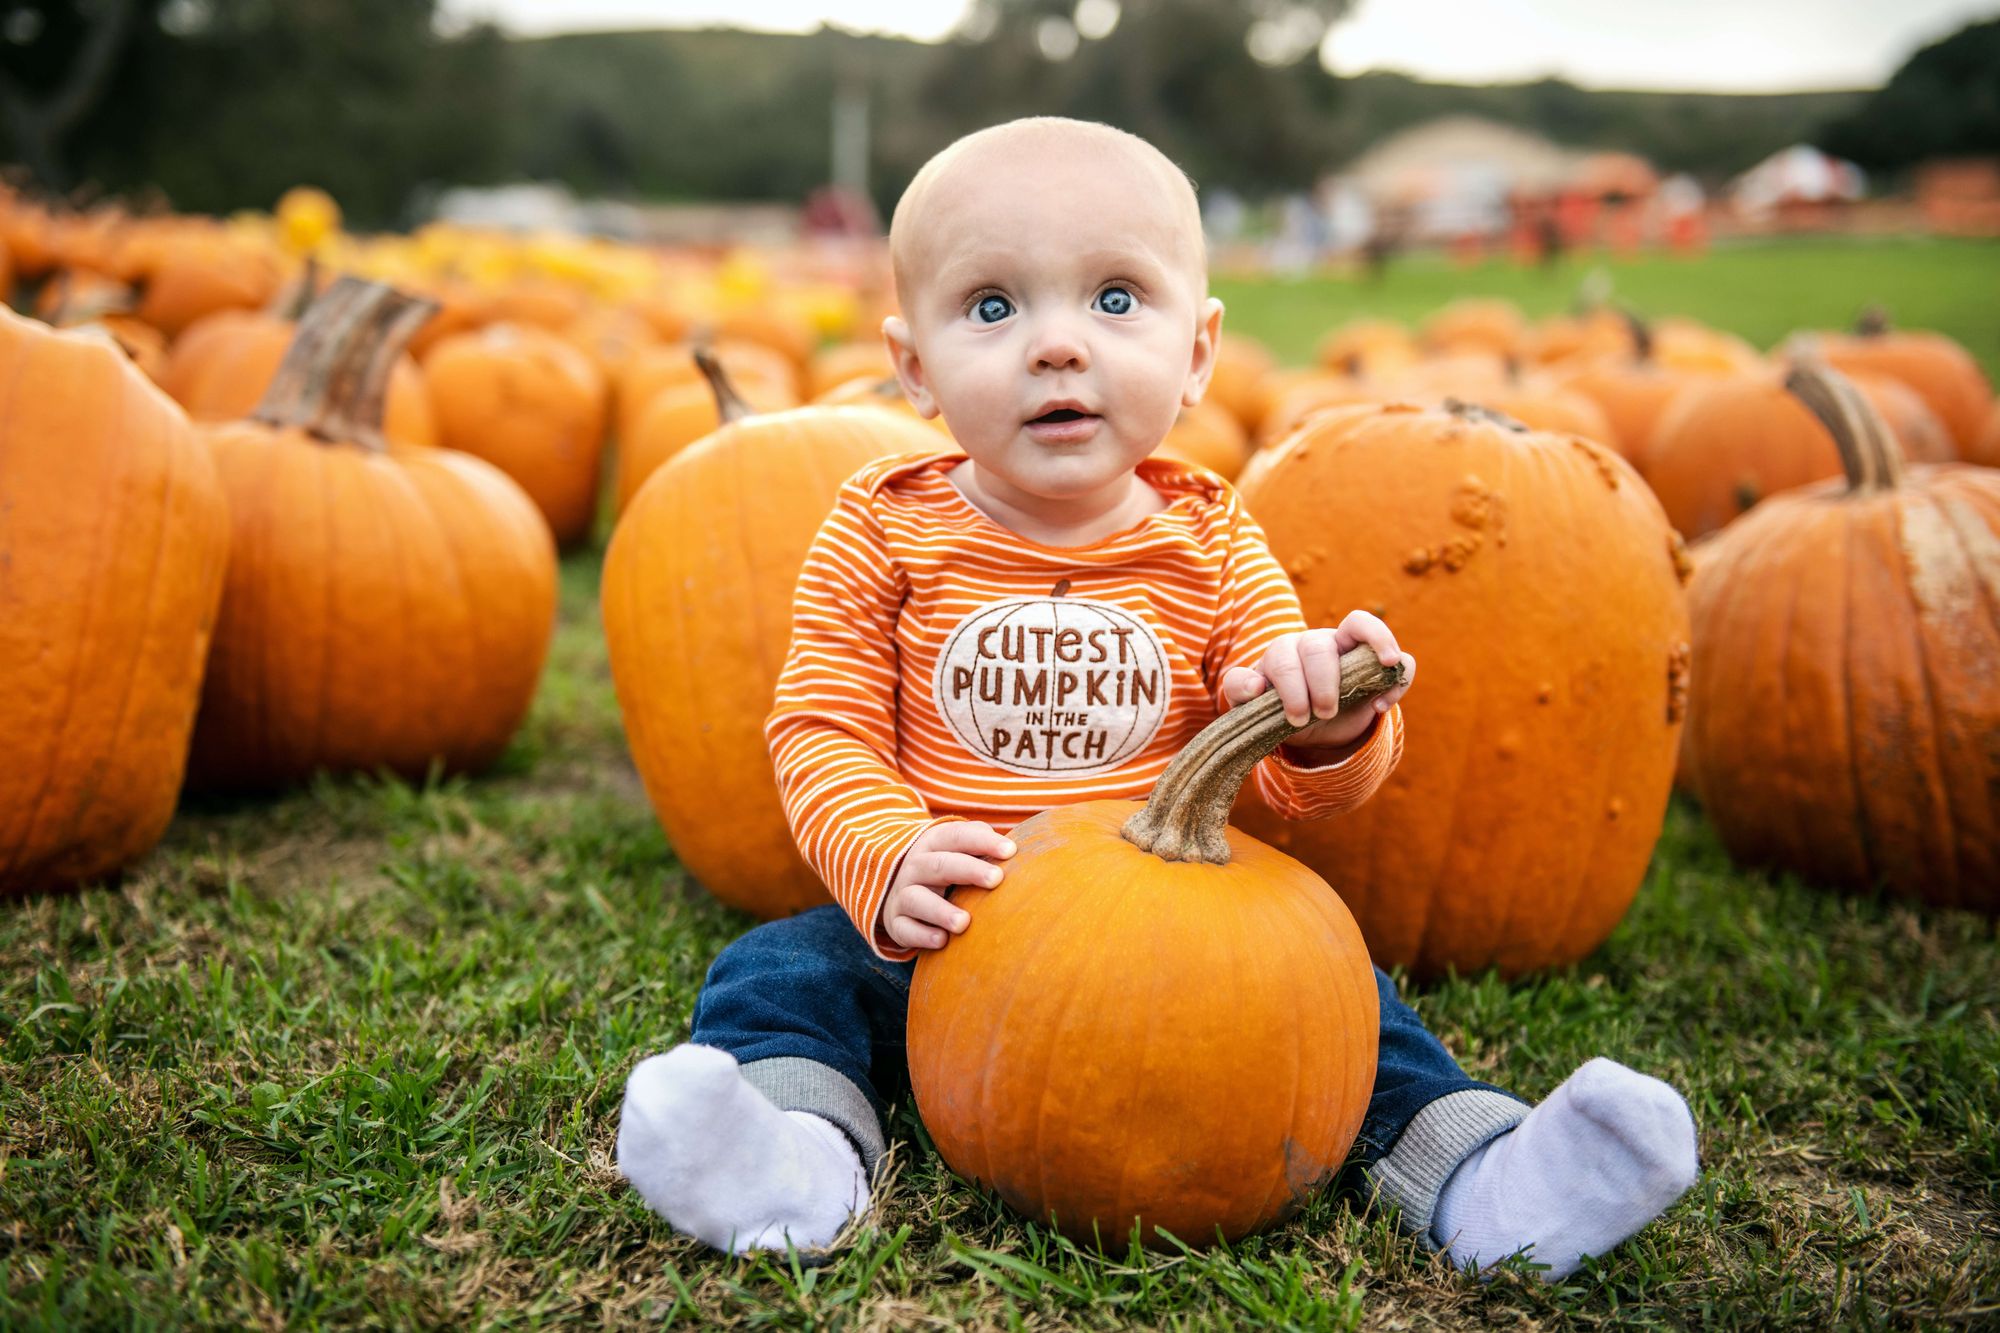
[[1862, 832], [60, 733], [1042, 1158], [1797, 839], [1989, 592], [423, 500], [1933, 693], [168, 485]]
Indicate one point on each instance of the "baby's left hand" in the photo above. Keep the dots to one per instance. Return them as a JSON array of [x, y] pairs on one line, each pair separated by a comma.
[[1305, 668]]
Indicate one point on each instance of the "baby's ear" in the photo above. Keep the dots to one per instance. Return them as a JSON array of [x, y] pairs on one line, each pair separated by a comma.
[[1207, 342], [909, 366]]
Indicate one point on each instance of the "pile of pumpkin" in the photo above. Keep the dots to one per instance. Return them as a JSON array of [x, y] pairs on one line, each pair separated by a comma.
[[263, 523], [334, 531]]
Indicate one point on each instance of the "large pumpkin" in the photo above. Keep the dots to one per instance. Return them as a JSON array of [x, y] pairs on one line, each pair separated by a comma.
[[697, 601], [387, 607], [1941, 371], [113, 540], [1540, 575], [532, 405], [1727, 444], [1844, 720], [1156, 1020]]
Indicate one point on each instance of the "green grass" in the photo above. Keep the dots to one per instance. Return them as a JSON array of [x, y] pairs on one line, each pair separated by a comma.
[[354, 1056], [1764, 291]]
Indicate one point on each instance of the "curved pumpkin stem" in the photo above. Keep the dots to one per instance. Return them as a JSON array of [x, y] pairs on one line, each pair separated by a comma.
[[1868, 452], [1466, 411], [1642, 334], [296, 297], [1185, 816], [729, 404], [335, 376], [1872, 322]]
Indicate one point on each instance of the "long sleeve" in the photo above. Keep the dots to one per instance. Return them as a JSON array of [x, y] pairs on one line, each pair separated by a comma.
[[832, 732], [1258, 606]]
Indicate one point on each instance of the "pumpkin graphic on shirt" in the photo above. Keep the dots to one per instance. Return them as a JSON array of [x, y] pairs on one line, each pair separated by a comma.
[[1052, 684]]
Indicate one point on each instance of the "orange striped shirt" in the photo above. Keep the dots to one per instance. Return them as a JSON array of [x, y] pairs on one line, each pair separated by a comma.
[[942, 666]]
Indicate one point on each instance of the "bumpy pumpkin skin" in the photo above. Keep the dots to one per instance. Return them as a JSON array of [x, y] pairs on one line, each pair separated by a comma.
[[1844, 720], [113, 542], [532, 405], [1536, 579], [1116, 1036], [697, 604]]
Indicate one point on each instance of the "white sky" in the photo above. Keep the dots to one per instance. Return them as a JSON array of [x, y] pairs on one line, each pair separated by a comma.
[[1726, 45]]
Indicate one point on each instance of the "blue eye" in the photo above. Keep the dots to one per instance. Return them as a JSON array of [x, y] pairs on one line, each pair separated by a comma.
[[993, 309], [1115, 301]]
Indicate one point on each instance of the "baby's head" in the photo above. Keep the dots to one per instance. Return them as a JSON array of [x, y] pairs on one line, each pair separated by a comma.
[[1054, 292]]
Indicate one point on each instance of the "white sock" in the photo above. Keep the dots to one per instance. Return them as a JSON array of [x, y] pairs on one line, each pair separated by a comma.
[[1607, 1153], [713, 1156]]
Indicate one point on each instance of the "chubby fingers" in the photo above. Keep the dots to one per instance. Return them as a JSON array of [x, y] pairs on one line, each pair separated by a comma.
[[1242, 684], [1359, 627], [921, 917], [969, 836]]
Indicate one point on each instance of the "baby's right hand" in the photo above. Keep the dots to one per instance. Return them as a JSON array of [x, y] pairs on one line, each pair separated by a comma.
[[944, 855]]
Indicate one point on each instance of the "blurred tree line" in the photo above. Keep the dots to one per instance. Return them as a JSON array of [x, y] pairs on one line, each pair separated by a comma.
[[220, 104]]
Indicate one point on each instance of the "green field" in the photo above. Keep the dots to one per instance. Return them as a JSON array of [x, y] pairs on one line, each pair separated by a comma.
[[1763, 291], [354, 1056]]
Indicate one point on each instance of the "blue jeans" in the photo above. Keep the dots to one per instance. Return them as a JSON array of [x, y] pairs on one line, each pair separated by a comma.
[[816, 1021]]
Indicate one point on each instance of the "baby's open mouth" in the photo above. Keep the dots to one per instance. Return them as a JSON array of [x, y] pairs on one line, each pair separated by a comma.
[[1060, 414]]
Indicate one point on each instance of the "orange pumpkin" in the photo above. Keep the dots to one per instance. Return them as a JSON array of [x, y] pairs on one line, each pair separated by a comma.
[[679, 415], [200, 275], [1314, 392], [1942, 372], [459, 308], [1986, 451], [1555, 411], [79, 300], [1191, 1019], [111, 562], [1540, 575], [652, 369], [532, 405], [1727, 444], [1477, 324], [1241, 363], [1208, 436], [386, 607], [838, 363], [1919, 434], [1844, 721], [221, 367], [1372, 347], [697, 611]]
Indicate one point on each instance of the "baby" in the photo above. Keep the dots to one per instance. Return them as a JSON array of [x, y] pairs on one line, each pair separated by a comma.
[[1046, 618]]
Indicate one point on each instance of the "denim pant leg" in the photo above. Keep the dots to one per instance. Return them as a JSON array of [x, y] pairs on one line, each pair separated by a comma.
[[1425, 1116], [813, 1017]]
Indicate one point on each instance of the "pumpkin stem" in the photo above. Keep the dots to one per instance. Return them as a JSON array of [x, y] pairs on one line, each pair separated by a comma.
[[1465, 411], [1868, 452], [1872, 322], [729, 404], [296, 297], [334, 379], [1185, 816], [1641, 331]]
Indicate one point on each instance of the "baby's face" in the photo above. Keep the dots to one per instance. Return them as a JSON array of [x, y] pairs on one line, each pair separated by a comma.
[[1055, 313]]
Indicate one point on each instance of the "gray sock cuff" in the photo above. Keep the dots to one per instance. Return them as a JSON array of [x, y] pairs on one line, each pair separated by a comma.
[[794, 1083], [1412, 1173]]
